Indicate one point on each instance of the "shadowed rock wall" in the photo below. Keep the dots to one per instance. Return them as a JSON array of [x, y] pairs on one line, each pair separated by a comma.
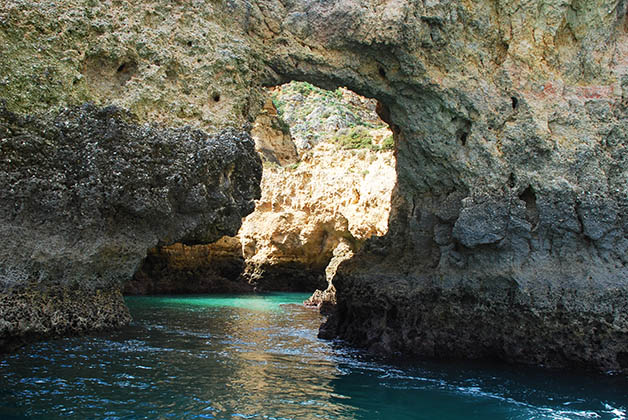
[[87, 191]]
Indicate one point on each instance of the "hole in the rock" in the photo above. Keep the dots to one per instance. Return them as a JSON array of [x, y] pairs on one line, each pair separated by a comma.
[[512, 181], [463, 128], [391, 317], [216, 97], [329, 172], [528, 196], [125, 72], [190, 43], [382, 72], [463, 137], [515, 102]]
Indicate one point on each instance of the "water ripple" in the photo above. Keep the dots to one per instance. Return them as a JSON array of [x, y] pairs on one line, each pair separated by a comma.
[[223, 357]]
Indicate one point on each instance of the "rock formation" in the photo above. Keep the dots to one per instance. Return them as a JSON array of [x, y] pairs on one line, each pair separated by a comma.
[[86, 192], [333, 198], [508, 234], [313, 210], [272, 137]]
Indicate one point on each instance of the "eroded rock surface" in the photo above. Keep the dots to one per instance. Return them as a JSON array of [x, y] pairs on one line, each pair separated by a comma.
[[332, 197], [85, 192], [508, 234]]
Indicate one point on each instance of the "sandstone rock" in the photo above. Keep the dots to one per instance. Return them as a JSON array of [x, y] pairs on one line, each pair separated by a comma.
[[272, 137], [332, 197]]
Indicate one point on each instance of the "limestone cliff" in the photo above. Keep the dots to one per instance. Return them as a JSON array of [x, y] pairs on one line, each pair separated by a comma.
[[313, 209], [333, 198], [508, 234]]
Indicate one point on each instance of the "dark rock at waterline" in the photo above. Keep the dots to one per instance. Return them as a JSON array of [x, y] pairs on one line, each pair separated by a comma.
[[86, 191], [218, 268], [509, 282], [180, 269], [426, 320]]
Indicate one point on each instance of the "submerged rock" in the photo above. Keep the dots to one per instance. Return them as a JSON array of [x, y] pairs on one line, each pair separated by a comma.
[[86, 191]]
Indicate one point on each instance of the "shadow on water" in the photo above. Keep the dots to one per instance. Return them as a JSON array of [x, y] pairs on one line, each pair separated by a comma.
[[257, 356]]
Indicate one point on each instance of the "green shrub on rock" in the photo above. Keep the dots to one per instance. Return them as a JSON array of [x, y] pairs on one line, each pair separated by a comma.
[[388, 143], [357, 138]]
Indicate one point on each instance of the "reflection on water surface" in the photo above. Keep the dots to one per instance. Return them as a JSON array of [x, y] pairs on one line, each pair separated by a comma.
[[204, 357]]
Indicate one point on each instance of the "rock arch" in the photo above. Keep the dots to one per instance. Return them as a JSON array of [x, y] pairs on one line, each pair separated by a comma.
[[480, 123], [470, 275]]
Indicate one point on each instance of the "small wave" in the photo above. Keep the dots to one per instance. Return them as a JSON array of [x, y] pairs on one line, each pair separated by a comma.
[[619, 413]]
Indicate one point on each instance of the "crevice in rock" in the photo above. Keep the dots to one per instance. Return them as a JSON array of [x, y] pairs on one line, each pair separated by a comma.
[[528, 196], [463, 129], [463, 137], [512, 180], [514, 102], [125, 72]]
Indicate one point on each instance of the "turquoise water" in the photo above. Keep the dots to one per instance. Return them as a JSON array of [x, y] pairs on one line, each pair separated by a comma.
[[257, 357]]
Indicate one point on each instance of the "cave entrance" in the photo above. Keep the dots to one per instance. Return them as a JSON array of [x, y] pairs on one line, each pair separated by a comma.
[[328, 175]]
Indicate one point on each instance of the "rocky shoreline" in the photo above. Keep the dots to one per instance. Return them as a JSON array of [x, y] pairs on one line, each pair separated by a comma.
[[87, 191], [508, 233]]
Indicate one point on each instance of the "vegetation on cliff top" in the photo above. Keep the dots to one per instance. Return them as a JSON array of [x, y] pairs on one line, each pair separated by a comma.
[[313, 115]]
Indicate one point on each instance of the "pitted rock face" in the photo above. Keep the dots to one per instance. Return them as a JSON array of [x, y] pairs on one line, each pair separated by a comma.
[[87, 191], [508, 234], [510, 217]]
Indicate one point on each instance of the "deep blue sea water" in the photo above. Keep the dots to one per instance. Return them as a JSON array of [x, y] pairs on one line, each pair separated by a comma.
[[257, 357]]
